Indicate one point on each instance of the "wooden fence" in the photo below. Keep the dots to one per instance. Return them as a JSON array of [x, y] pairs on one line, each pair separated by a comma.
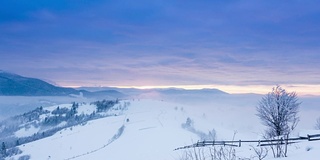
[[280, 141]]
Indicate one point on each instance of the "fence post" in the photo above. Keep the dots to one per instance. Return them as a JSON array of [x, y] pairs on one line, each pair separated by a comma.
[[285, 140]]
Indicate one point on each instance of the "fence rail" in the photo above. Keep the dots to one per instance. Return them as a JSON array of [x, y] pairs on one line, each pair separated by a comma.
[[267, 142]]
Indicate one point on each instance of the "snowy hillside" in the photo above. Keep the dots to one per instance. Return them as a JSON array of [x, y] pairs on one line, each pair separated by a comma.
[[152, 129]]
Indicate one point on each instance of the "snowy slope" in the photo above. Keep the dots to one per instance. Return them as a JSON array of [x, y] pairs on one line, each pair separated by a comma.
[[147, 124], [152, 129]]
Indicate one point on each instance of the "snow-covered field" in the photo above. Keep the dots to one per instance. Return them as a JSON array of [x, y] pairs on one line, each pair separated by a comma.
[[152, 129]]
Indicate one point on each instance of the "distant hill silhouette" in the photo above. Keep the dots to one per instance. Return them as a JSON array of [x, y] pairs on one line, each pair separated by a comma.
[[16, 85], [176, 91]]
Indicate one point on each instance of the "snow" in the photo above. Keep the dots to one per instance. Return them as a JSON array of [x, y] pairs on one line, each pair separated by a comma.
[[25, 132], [150, 126], [75, 140], [86, 109], [62, 124], [153, 129], [304, 151]]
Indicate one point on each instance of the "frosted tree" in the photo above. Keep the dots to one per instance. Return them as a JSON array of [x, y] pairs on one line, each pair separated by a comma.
[[278, 112]]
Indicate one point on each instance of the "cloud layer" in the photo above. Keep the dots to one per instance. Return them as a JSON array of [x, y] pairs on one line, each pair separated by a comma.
[[135, 43]]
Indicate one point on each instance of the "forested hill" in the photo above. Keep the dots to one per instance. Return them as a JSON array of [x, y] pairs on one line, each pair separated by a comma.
[[16, 85]]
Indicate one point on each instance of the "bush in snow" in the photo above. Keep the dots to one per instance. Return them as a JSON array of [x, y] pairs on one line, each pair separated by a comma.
[[212, 135], [117, 135], [188, 124], [209, 153], [260, 152], [213, 152]]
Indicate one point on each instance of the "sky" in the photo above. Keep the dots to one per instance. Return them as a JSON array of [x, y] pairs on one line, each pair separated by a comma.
[[246, 45]]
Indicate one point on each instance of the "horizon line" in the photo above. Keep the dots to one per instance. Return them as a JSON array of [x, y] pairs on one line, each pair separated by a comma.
[[300, 89]]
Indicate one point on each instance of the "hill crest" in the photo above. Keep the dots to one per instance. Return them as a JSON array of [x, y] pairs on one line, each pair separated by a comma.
[[16, 85]]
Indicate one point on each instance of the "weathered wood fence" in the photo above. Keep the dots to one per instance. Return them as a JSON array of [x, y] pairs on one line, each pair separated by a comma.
[[267, 142]]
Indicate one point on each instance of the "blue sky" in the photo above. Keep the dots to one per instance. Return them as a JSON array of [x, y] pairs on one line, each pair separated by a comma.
[[162, 43]]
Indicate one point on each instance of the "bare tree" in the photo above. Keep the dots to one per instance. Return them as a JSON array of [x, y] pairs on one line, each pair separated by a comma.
[[278, 111]]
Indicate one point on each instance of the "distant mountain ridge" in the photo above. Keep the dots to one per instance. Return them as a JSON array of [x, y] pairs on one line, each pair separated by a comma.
[[191, 91], [160, 91], [16, 85]]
